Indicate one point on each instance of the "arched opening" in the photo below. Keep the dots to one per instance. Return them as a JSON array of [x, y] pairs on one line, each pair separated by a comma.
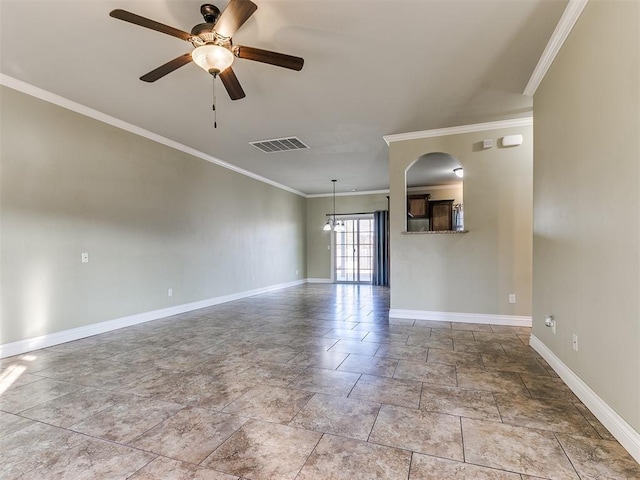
[[434, 191]]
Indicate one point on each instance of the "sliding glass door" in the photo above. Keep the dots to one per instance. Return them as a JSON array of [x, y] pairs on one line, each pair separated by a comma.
[[354, 251]]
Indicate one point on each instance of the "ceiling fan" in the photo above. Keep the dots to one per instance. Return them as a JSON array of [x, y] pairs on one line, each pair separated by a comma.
[[214, 50]]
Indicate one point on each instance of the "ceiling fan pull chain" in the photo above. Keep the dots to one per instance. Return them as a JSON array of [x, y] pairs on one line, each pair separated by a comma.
[[215, 113]]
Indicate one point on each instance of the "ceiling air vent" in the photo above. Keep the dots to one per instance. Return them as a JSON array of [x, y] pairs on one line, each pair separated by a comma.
[[280, 145]]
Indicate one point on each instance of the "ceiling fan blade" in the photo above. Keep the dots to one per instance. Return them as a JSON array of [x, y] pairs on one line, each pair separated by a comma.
[[266, 56], [147, 23], [168, 67], [231, 83], [232, 18]]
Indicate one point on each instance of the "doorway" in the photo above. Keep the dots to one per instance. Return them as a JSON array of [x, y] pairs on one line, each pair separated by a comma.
[[354, 250]]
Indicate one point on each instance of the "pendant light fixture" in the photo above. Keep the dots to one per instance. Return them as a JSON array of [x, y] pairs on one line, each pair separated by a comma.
[[331, 223]]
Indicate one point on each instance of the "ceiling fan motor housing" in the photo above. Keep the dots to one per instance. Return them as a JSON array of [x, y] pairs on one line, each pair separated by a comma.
[[210, 13]]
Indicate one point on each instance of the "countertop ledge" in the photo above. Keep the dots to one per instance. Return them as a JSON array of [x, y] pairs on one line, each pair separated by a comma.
[[438, 232]]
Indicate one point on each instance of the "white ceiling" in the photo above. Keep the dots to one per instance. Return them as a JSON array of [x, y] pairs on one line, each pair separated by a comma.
[[372, 68]]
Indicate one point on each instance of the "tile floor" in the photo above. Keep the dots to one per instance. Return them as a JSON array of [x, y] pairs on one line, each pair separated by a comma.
[[312, 382]]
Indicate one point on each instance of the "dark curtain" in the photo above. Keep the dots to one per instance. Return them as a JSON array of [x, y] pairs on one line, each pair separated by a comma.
[[381, 248]]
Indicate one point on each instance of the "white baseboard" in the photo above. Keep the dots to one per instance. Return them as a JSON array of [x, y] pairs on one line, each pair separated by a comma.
[[628, 437], [56, 338], [509, 320], [319, 280]]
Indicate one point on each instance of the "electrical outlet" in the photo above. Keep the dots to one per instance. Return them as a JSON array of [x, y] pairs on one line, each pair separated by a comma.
[[512, 298], [170, 292], [85, 257], [575, 342], [296, 273]]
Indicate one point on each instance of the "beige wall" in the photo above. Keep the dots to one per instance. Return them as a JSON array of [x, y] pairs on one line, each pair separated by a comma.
[[150, 217], [473, 272], [319, 241], [586, 200]]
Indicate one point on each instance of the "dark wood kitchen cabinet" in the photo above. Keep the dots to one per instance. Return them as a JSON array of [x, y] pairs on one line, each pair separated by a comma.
[[440, 215]]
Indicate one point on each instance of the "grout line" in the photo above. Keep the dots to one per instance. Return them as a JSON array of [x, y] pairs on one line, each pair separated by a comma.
[[565, 453], [464, 456]]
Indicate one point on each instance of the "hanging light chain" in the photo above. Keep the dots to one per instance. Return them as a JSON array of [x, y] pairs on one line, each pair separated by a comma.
[[334, 203], [213, 106]]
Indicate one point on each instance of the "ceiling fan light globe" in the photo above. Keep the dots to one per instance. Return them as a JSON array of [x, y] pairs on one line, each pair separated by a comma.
[[213, 59]]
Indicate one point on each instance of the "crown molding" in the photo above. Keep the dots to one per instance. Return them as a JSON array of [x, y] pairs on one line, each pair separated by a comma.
[[350, 194], [475, 127], [565, 25], [63, 102]]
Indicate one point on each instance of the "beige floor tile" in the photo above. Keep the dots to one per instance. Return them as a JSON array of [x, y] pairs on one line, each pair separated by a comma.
[[386, 337], [143, 354], [10, 423], [337, 458], [346, 334], [182, 360], [435, 373], [159, 383], [432, 341], [224, 365], [511, 329], [473, 327], [380, 366], [167, 469], [269, 403], [97, 373], [456, 401], [544, 387], [349, 346], [463, 359], [108, 461], [473, 346], [264, 451], [425, 467], [546, 414], [210, 391], [272, 373], [435, 324], [32, 361], [14, 375], [339, 416], [595, 423], [419, 431], [164, 384], [491, 381], [127, 419], [275, 354], [515, 449], [401, 321], [509, 337], [325, 381], [27, 396], [404, 393], [73, 407], [190, 435], [34, 446], [403, 352], [599, 459], [504, 363], [328, 360]]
